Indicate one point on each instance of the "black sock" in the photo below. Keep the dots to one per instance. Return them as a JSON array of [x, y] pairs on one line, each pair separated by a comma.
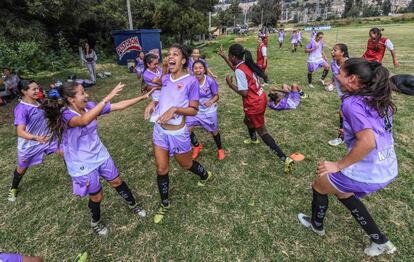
[[280, 45], [217, 139], [124, 191], [319, 207], [199, 170], [341, 124], [252, 133], [163, 184], [270, 142], [310, 78], [362, 216], [324, 74], [194, 140], [95, 208], [17, 177]]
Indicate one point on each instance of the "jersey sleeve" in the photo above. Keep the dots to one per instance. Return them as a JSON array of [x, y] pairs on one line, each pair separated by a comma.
[[355, 113], [20, 116], [193, 91], [242, 83], [389, 45], [264, 51], [213, 86]]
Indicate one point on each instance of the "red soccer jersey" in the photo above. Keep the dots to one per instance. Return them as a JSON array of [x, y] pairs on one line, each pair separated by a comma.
[[375, 51], [260, 56], [255, 102]]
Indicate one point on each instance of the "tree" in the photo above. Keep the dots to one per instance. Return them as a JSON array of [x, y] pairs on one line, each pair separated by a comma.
[[386, 7], [271, 12], [410, 7]]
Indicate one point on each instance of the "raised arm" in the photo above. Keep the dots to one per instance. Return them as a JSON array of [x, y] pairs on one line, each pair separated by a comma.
[[223, 55], [92, 114], [130, 102]]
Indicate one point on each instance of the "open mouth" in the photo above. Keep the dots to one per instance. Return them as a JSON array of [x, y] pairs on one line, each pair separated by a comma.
[[171, 63]]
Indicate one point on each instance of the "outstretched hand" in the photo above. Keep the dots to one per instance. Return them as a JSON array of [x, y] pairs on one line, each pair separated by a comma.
[[119, 87], [221, 51]]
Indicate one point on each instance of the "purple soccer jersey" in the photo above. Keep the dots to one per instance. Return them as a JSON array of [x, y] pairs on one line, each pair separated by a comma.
[[148, 76], [31, 152], [300, 36], [208, 89], [281, 36], [176, 93], [84, 151], [291, 101], [313, 34], [380, 165], [335, 71], [140, 67], [294, 38], [316, 55]]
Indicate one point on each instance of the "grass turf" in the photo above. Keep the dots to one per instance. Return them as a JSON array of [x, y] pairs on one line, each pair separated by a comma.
[[249, 212]]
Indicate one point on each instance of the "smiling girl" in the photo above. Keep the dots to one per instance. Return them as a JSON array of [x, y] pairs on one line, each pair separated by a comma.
[[370, 163], [74, 122], [179, 98], [33, 140]]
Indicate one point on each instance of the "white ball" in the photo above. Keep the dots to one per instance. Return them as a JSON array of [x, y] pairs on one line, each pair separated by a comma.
[[329, 87]]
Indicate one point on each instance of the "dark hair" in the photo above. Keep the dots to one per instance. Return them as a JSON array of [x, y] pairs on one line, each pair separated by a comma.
[[240, 53], [376, 31], [318, 34], [202, 63], [148, 58], [6, 68], [273, 96], [24, 85], [377, 87], [344, 49], [84, 48], [53, 108], [185, 51]]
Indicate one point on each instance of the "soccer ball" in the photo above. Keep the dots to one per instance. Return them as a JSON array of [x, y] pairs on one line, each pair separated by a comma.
[[329, 88]]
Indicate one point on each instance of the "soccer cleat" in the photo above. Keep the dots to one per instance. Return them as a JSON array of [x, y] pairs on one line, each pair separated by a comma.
[[322, 81], [99, 228], [304, 96], [311, 86], [336, 142], [306, 222], [375, 249], [82, 257], [288, 165], [220, 154], [12, 195], [138, 210], [196, 150], [249, 141], [203, 183], [162, 211]]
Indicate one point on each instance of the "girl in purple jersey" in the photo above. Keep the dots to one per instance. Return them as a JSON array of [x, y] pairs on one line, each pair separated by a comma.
[[287, 98], [14, 257], [294, 41], [195, 56], [207, 110], [370, 163], [152, 75], [139, 65], [33, 140], [179, 98], [316, 58], [74, 122], [339, 56]]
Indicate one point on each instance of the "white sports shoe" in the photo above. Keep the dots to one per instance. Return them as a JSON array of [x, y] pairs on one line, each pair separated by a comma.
[[306, 221], [322, 81], [311, 86], [377, 249], [336, 141], [99, 228]]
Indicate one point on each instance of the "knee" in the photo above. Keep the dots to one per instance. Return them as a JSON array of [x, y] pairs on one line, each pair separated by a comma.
[[186, 165], [116, 182], [21, 170], [162, 171], [318, 186], [98, 197]]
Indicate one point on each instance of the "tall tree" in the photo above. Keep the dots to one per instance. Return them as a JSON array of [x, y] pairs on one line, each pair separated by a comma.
[[271, 12]]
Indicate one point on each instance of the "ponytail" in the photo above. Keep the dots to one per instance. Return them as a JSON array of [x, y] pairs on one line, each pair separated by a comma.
[[54, 107], [248, 60], [377, 88]]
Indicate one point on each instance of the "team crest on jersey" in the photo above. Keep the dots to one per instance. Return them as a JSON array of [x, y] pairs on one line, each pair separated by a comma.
[[180, 85], [128, 45]]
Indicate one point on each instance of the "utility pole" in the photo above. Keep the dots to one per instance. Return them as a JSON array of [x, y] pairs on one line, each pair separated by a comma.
[[129, 15], [209, 21], [261, 19]]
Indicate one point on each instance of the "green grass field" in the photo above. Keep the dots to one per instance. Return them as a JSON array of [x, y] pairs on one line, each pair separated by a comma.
[[249, 212]]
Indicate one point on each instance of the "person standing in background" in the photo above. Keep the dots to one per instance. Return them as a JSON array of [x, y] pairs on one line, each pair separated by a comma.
[[89, 58]]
